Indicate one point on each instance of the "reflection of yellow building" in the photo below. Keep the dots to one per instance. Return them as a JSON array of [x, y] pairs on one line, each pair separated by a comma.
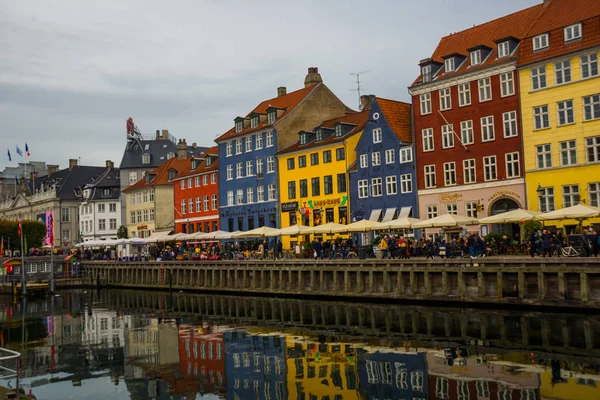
[[321, 370], [573, 388], [313, 173]]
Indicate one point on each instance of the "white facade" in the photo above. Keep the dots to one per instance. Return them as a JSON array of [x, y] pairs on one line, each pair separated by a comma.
[[104, 327], [99, 219]]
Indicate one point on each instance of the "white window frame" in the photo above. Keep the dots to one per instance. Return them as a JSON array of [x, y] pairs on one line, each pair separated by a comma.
[[239, 197], [503, 49], [466, 132], [488, 130], [198, 204], [475, 57], [406, 185], [485, 89], [562, 72], [228, 149], [546, 199], [571, 195], [430, 178], [249, 143], [513, 164], [543, 156], [452, 208], [376, 187], [363, 189], [406, 154], [509, 123], [541, 117], [507, 84], [390, 156], [391, 185], [432, 211], [490, 167], [592, 149], [426, 73], [449, 65], [464, 94], [270, 164], [238, 146], [205, 203], [259, 166], [591, 106], [239, 170], [565, 112], [540, 42], [450, 173], [471, 209], [249, 168], [258, 145], [568, 152], [249, 195], [364, 160], [425, 100], [538, 78], [594, 194], [183, 206], [428, 140], [573, 32], [447, 136], [229, 173], [469, 171], [271, 195], [445, 99], [375, 158], [260, 194], [589, 65], [269, 141], [377, 136]]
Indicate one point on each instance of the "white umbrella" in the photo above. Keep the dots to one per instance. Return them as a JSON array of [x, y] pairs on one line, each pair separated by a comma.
[[295, 230], [215, 235], [447, 220], [184, 236], [579, 211], [363, 225], [328, 228], [263, 231], [517, 215], [401, 223]]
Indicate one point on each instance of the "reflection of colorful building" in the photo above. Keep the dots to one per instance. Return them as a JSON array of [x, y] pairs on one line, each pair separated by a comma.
[[321, 370], [152, 345], [255, 366], [388, 374]]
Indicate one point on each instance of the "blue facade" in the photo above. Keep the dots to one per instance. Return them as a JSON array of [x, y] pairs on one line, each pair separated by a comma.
[[400, 168], [251, 212], [392, 375]]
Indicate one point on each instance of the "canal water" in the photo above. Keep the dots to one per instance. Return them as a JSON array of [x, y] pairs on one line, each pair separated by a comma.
[[147, 345]]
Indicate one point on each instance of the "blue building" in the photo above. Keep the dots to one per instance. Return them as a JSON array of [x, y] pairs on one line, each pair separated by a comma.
[[383, 179], [248, 177]]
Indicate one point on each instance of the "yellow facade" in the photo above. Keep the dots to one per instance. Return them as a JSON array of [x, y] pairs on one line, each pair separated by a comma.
[[332, 205], [140, 212], [584, 387], [564, 171]]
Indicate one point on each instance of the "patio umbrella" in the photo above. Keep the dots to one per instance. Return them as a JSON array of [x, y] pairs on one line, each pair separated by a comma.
[[515, 216], [263, 231], [184, 236], [446, 220], [328, 228], [295, 230], [401, 223], [364, 225], [214, 235], [579, 212]]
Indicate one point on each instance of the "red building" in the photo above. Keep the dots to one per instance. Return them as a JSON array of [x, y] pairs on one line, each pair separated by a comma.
[[197, 194], [467, 122]]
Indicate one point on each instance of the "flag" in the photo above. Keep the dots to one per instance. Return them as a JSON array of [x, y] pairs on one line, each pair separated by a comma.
[[19, 152], [2, 247], [9, 157], [49, 228], [27, 150], [20, 230], [16, 180]]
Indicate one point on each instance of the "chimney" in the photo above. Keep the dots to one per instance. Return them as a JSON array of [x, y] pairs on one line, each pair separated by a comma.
[[72, 163], [182, 150], [110, 164], [281, 91], [157, 134], [194, 145], [313, 77], [165, 134], [366, 101], [51, 169]]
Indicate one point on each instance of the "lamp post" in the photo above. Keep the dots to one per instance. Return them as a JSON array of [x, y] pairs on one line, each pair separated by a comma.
[[540, 193]]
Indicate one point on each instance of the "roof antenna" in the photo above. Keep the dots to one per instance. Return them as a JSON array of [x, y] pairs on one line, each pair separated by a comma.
[[358, 87]]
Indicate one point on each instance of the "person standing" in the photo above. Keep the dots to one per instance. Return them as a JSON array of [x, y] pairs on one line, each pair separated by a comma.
[[332, 251], [532, 244], [318, 249], [471, 241], [547, 243], [595, 240], [279, 254], [384, 247]]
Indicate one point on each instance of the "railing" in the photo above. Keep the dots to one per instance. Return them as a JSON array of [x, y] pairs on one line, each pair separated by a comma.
[[6, 372]]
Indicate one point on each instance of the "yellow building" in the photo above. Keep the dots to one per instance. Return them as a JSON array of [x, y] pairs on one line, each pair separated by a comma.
[[559, 85], [313, 174]]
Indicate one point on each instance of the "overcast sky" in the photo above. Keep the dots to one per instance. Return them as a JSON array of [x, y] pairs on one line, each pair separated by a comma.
[[72, 72]]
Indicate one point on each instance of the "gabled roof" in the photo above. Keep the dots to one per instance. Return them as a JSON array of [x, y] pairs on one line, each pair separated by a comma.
[[109, 179], [562, 13], [397, 114], [161, 173], [357, 119], [287, 102], [516, 25], [69, 180], [158, 150], [187, 171]]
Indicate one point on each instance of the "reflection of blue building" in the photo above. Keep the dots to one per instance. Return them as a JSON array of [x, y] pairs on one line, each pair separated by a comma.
[[255, 366], [392, 375]]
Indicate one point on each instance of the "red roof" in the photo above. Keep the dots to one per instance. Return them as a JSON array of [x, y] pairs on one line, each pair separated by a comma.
[[187, 171], [162, 173], [561, 13], [287, 102], [397, 115]]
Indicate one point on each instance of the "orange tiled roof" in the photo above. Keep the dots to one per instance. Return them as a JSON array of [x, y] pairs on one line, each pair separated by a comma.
[[359, 119], [516, 25], [162, 173], [286, 102], [561, 13], [213, 151], [397, 115]]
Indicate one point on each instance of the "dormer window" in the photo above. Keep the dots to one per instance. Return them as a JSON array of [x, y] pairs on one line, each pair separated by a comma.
[[195, 164], [303, 138], [106, 192], [146, 158], [426, 72], [149, 178], [338, 130], [271, 116], [170, 155], [540, 42], [476, 57], [573, 32], [503, 49], [319, 135], [209, 161], [254, 121], [172, 174], [239, 125], [449, 65]]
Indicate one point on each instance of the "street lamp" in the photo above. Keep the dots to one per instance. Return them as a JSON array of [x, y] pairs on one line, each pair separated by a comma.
[[540, 191]]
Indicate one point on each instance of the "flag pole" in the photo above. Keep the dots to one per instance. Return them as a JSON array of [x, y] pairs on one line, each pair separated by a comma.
[[23, 283]]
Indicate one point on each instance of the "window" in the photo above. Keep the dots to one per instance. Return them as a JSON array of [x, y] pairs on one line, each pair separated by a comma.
[[450, 173], [327, 156], [466, 132], [328, 184], [591, 107], [405, 183], [573, 32], [260, 193], [341, 183], [592, 149], [253, 124], [239, 198], [249, 140], [589, 65], [570, 195], [449, 64], [489, 168], [151, 195], [65, 215], [239, 170], [213, 201], [594, 194], [476, 57], [238, 146], [562, 72], [469, 174], [112, 224], [249, 197], [445, 101], [291, 163], [391, 185], [249, 168], [447, 136], [503, 49], [239, 125], [340, 154], [271, 117], [544, 156], [390, 156], [541, 118], [112, 207], [146, 158], [375, 158], [197, 181], [314, 159], [213, 178], [425, 103], [269, 139], [182, 184], [291, 189], [464, 94], [510, 124], [228, 149], [133, 177], [132, 217], [376, 187], [538, 78], [259, 144], [568, 153], [229, 173], [363, 189], [513, 168], [427, 139], [406, 155], [183, 206], [426, 72], [101, 224], [198, 204], [303, 188], [270, 164], [485, 89], [507, 84], [303, 138], [102, 207], [339, 130], [377, 135], [430, 176], [452, 208], [432, 211], [191, 205], [540, 42], [301, 161], [364, 160], [566, 113], [319, 135], [471, 209], [316, 186]]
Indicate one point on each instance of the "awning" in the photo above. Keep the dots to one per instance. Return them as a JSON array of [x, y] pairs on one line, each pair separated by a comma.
[[389, 214], [375, 214], [405, 212], [70, 258], [12, 261]]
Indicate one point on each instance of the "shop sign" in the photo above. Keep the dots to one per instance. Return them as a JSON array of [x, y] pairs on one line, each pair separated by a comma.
[[503, 193], [450, 197], [142, 227], [289, 206]]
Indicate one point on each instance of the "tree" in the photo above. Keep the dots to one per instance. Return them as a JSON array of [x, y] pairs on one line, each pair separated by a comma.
[[122, 232], [530, 226], [34, 231]]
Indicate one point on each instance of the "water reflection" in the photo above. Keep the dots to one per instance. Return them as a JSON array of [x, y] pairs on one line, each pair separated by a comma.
[[150, 346]]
